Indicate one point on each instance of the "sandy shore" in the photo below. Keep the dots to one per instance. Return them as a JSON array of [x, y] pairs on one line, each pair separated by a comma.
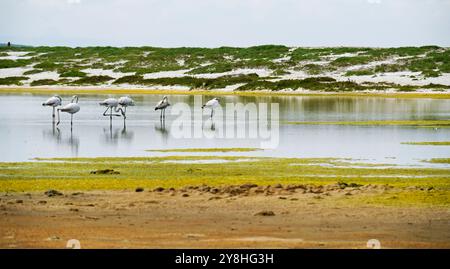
[[231, 217], [93, 90]]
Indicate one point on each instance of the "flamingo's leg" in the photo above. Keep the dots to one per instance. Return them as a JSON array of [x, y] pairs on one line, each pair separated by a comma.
[[59, 118], [119, 109], [111, 112], [104, 113]]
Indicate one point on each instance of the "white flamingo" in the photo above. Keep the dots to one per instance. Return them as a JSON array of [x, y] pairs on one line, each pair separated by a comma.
[[162, 105], [71, 108], [212, 104], [125, 102], [111, 103], [53, 101]]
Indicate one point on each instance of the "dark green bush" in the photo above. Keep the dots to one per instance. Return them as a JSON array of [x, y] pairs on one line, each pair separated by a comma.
[[5, 63], [12, 80], [92, 80], [72, 73], [44, 82]]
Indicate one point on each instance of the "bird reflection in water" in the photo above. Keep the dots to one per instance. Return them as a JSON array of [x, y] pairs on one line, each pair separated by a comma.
[[161, 129], [72, 141], [53, 135], [112, 135]]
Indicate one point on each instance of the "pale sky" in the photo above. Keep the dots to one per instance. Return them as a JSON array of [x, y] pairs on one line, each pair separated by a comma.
[[213, 23]]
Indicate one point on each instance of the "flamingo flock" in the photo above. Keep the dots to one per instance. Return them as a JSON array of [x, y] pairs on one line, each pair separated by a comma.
[[114, 106]]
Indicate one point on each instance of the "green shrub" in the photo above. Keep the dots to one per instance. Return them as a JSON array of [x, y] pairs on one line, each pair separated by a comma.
[[5, 63], [92, 80], [12, 80], [348, 61], [431, 73], [134, 79], [280, 72], [33, 71], [384, 68], [72, 73], [222, 82], [44, 82], [213, 68], [47, 65], [361, 72]]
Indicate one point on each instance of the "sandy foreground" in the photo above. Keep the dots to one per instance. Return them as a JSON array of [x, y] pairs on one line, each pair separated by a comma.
[[208, 218]]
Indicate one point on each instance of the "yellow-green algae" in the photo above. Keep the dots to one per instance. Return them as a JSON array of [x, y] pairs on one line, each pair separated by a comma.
[[150, 172], [92, 90], [205, 150], [424, 197], [439, 160], [414, 123], [430, 143]]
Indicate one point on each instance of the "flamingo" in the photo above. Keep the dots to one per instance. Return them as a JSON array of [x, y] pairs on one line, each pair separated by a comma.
[[111, 103], [125, 102], [71, 108], [162, 105], [53, 101], [211, 104]]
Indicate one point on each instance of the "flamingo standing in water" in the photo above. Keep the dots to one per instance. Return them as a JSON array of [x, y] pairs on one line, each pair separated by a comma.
[[162, 105], [71, 108], [125, 102], [53, 101], [212, 104], [111, 103]]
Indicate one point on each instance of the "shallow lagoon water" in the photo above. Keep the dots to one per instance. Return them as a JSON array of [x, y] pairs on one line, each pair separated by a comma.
[[26, 129]]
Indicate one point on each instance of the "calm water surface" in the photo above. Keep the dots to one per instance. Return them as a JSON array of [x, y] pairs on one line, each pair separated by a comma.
[[26, 129]]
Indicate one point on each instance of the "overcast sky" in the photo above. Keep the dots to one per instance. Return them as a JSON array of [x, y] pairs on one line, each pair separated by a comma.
[[212, 23]]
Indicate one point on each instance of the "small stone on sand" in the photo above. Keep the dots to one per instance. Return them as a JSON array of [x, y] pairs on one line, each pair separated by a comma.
[[265, 213]]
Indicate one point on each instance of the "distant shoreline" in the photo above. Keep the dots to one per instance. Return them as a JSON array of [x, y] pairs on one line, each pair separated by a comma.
[[90, 90]]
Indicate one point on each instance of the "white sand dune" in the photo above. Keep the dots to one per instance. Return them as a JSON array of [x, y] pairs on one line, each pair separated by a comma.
[[400, 78], [105, 72], [16, 55], [167, 74], [13, 72]]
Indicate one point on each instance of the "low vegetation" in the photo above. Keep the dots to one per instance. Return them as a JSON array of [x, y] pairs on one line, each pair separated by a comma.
[[176, 171], [416, 123], [430, 186], [72, 73], [43, 82], [92, 80], [5, 63], [428, 61], [206, 150], [12, 80], [439, 143], [440, 160], [362, 72]]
